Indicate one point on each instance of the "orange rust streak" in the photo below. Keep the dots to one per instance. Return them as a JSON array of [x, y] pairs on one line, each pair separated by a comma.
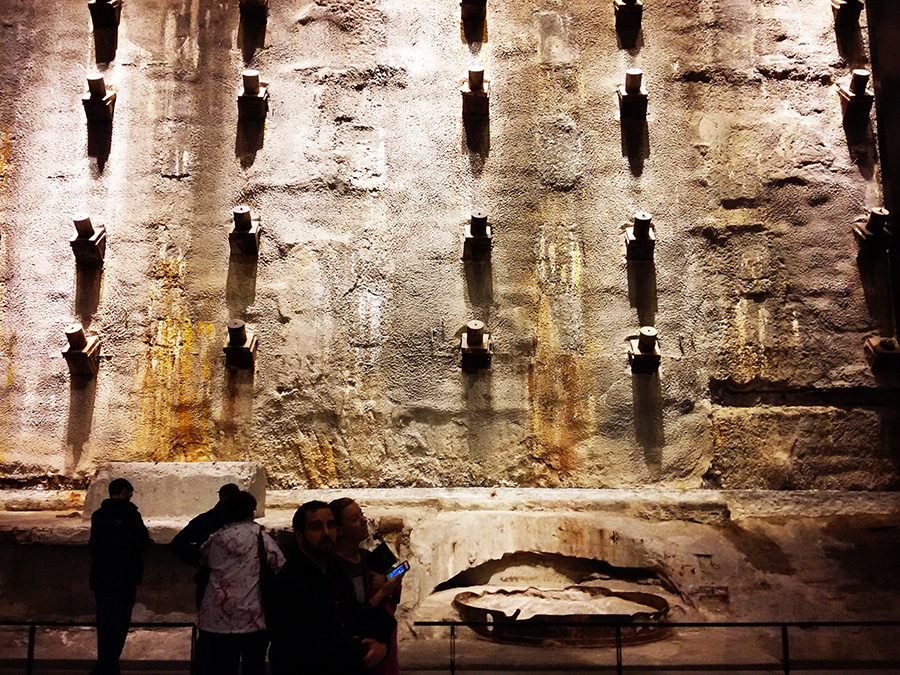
[[6, 147], [558, 416]]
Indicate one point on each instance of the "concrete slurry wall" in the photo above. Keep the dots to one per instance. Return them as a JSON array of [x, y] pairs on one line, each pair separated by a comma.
[[363, 182]]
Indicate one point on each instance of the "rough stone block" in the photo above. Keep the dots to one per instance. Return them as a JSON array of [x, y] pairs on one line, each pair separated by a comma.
[[805, 448], [177, 489]]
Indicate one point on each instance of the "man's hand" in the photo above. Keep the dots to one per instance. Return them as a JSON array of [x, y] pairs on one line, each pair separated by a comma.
[[376, 581], [384, 588], [379, 581], [375, 655], [391, 585]]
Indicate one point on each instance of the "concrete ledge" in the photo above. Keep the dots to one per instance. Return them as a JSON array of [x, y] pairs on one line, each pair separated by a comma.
[[702, 506], [694, 505], [36, 499], [172, 489]]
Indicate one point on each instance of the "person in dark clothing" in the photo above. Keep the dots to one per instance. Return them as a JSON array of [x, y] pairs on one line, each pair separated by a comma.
[[186, 544], [117, 543], [370, 587], [317, 625]]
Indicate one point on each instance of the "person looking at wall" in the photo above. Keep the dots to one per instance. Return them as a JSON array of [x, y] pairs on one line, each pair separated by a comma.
[[117, 544], [232, 623], [186, 544], [370, 587]]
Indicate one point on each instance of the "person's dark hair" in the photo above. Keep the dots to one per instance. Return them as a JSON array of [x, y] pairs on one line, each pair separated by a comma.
[[299, 520], [337, 508], [228, 490], [238, 507], [118, 485]]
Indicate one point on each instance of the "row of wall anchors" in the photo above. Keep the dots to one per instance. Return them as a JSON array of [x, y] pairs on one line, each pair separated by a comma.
[[253, 101], [89, 248]]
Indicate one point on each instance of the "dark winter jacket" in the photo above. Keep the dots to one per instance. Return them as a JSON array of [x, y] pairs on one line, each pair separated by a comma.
[[186, 544], [316, 623], [118, 541]]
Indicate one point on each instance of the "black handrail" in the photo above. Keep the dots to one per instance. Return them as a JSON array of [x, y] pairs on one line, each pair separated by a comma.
[[34, 625], [600, 622], [605, 622]]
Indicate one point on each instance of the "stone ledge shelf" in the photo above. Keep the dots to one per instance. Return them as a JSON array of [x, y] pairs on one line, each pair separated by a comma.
[[56, 516]]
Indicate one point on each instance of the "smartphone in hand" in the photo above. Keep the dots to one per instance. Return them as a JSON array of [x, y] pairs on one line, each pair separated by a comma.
[[399, 570]]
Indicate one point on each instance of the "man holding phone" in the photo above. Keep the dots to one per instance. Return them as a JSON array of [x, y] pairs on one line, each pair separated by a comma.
[[316, 623], [374, 583], [398, 571]]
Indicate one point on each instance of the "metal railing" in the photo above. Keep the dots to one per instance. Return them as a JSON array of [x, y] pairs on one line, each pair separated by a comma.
[[620, 667], [34, 625]]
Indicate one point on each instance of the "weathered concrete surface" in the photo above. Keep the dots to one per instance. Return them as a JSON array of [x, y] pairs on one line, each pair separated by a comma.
[[177, 489], [363, 179]]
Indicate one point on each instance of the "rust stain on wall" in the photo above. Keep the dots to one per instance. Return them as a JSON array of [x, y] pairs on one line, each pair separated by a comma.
[[6, 406], [317, 460], [560, 416], [175, 409], [6, 147], [559, 420]]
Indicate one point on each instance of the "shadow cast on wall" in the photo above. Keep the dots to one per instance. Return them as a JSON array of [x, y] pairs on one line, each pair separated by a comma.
[[240, 285], [477, 135], [99, 142], [850, 44], [237, 401], [642, 290], [82, 394], [861, 144], [248, 141], [479, 282], [251, 36], [88, 279], [875, 277], [647, 409], [635, 144]]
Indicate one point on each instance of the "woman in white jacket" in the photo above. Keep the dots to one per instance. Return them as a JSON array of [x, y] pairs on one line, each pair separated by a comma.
[[231, 619]]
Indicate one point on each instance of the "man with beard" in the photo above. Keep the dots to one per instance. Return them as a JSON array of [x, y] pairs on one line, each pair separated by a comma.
[[316, 623]]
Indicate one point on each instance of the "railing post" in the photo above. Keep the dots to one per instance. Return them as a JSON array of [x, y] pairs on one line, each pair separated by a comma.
[[29, 664], [785, 650], [193, 644], [619, 667], [453, 649]]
